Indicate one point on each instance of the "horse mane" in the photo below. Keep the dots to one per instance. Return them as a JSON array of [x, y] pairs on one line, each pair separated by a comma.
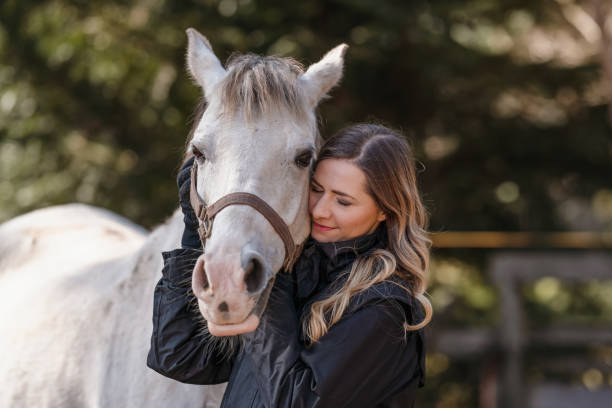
[[258, 84], [255, 85]]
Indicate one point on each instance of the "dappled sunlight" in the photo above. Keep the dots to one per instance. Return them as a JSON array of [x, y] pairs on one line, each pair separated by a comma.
[[507, 192], [436, 363], [585, 303], [531, 106], [592, 378], [439, 143], [483, 36], [602, 205], [453, 280]]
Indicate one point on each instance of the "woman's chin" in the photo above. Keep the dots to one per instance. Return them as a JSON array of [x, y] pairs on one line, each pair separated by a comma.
[[323, 236]]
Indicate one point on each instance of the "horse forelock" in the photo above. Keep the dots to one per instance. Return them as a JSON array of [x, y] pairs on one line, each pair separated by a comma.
[[258, 84]]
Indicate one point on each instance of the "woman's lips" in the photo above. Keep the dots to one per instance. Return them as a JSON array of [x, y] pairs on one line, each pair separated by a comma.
[[321, 227]]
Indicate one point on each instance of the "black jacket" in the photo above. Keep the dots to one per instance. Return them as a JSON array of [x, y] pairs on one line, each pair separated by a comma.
[[365, 360]]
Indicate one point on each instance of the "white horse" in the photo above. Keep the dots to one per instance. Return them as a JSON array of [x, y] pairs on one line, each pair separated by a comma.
[[76, 282]]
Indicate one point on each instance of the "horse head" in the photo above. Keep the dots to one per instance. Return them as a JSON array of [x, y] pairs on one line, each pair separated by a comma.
[[257, 135]]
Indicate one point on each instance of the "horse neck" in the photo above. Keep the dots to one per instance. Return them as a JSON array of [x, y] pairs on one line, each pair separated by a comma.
[[166, 237]]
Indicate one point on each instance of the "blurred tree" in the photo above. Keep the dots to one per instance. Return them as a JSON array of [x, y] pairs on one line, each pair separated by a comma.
[[505, 101]]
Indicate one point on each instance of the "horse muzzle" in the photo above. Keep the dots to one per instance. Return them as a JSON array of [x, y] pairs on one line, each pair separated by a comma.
[[230, 295]]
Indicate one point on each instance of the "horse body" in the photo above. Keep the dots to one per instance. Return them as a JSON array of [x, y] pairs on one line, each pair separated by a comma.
[[76, 282], [76, 292]]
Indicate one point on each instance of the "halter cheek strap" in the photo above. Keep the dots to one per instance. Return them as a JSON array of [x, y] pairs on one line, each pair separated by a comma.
[[206, 215]]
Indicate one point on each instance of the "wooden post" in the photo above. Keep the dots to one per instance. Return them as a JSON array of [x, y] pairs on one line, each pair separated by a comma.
[[503, 269], [509, 269]]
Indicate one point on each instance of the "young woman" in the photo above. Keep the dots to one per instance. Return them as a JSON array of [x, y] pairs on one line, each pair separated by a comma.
[[345, 328]]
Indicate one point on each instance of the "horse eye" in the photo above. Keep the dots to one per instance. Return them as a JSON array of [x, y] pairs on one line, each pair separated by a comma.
[[303, 159], [197, 153]]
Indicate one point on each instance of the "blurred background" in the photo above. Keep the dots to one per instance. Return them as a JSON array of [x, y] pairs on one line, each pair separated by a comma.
[[507, 105]]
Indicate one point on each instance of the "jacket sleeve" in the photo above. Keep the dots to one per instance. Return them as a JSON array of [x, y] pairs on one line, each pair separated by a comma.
[[179, 349], [363, 360]]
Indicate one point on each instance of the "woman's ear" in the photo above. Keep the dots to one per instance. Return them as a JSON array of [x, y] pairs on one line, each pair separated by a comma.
[[381, 216]]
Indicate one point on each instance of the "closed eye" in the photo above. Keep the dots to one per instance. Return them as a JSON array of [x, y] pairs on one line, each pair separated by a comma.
[[318, 190], [314, 189]]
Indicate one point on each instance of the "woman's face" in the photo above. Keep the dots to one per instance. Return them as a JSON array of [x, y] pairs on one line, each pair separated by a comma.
[[339, 206]]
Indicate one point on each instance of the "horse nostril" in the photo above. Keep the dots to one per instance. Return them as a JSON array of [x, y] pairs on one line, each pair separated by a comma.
[[200, 280], [205, 284], [254, 276], [223, 307]]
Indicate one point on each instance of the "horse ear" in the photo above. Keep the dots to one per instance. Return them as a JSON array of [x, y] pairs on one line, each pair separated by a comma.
[[202, 63], [324, 75]]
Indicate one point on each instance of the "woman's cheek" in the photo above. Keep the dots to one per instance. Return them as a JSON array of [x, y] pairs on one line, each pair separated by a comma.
[[342, 215], [312, 200]]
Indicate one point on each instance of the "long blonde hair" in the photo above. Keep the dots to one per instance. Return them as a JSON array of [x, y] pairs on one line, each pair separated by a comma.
[[388, 164]]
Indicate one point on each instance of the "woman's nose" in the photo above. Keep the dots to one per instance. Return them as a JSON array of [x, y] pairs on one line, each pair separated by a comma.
[[320, 209]]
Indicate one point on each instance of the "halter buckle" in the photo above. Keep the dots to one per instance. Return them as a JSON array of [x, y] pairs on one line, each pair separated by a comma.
[[206, 227]]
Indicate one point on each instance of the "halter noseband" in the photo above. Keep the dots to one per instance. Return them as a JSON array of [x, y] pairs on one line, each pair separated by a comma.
[[206, 214]]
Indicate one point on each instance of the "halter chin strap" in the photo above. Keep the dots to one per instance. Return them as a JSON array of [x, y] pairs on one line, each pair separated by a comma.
[[206, 214]]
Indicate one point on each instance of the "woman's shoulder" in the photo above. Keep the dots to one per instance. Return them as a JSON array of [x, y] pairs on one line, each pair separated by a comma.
[[391, 302], [393, 293]]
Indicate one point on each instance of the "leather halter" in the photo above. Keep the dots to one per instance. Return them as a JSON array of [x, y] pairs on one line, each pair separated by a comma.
[[206, 214]]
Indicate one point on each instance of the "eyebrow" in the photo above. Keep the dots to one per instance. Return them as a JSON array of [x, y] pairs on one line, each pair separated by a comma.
[[340, 193]]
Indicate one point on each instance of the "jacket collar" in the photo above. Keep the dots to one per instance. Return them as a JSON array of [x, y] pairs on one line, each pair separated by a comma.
[[322, 262], [340, 254]]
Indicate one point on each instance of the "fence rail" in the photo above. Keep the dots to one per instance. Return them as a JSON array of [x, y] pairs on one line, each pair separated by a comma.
[[521, 239]]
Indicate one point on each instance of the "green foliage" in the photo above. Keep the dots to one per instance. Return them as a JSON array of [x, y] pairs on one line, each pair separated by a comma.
[[551, 300], [95, 102]]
